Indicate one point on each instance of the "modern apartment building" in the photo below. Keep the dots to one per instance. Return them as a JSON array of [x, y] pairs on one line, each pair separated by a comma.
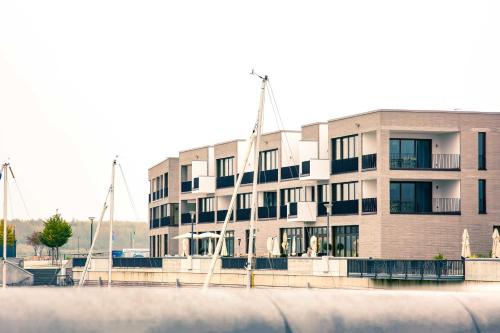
[[398, 184]]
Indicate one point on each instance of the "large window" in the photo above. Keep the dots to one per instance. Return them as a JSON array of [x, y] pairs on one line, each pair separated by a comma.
[[410, 153], [344, 191], [344, 147], [290, 195], [268, 160], [225, 167], [320, 233], [244, 200], [206, 204], [269, 199], [247, 237], [165, 244], [346, 240], [482, 196], [294, 239], [481, 151], [411, 197]]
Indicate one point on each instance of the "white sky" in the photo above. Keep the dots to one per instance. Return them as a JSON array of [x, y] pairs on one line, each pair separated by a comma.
[[83, 81]]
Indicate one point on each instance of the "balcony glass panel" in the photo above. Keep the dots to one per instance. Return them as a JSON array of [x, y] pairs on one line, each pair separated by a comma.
[[345, 165], [292, 209], [306, 168], [268, 176], [322, 209], [186, 186], [186, 218], [196, 183], [290, 172], [225, 181], [267, 212], [369, 161], [206, 217], [221, 215], [345, 207], [243, 214], [165, 221], [283, 211]]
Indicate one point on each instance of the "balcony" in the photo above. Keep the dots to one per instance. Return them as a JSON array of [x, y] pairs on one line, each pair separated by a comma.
[[433, 162], [221, 215], [369, 162], [315, 169], [243, 214], [225, 181], [290, 172], [344, 165], [321, 210], [186, 186], [206, 217], [247, 178], [346, 207], [440, 206], [283, 211], [268, 176], [267, 212], [369, 205], [186, 218], [204, 184], [302, 211], [156, 223]]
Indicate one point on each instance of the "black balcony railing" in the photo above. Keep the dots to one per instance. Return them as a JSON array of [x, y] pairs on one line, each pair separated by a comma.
[[243, 214], [292, 211], [225, 181], [446, 205], [234, 263], [138, 262], [283, 211], [369, 205], [306, 168], [268, 176], [345, 165], [221, 215], [271, 263], [196, 183], [267, 212], [322, 209], [434, 161], [290, 172], [406, 269], [247, 178], [186, 218], [369, 162], [164, 221], [345, 207], [186, 186], [206, 217], [156, 223]]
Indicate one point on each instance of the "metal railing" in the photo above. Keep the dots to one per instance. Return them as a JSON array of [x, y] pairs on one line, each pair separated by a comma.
[[439, 206], [243, 214], [186, 218], [225, 181], [221, 215], [164, 221], [369, 205], [267, 212], [272, 263], [446, 205], [186, 186], [290, 172], [268, 176], [406, 269], [434, 161], [345, 207], [138, 262], [344, 165], [234, 263], [321, 208], [206, 217], [369, 161], [306, 168]]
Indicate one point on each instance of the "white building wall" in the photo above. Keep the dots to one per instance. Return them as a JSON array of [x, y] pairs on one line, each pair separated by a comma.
[[308, 150], [323, 142], [211, 161], [199, 168], [242, 149], [369, 188], [446, 189], [290, 148], [369, 143]]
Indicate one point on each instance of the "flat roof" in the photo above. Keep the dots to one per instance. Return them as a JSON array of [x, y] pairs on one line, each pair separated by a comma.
[[414, 111]]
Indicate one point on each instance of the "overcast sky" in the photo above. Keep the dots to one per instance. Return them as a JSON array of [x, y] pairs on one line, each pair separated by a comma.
[[81, 82]]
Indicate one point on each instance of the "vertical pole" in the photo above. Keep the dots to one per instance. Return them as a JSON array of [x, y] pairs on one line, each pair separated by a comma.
[[253, 212], [4, 268], [111, 211], [91, 230], [328, 212]]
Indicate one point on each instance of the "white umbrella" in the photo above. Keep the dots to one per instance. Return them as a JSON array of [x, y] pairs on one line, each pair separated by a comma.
[[495, 251], [313, 243], [294, 246], [186, 235], [269, 245], [276, 247], [224, 249], [465, 244], [284, 244], [185, 245], [208, 235], [210, 247]]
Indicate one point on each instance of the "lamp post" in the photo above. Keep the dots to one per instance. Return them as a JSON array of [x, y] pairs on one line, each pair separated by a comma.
[[91, 218], [328, 207], [191, 248]]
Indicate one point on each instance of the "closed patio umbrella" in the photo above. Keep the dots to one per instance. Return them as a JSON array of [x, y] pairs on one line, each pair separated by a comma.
[[313, 243], [269, 245], [276, 247], [185, 246], [210, 247], [224, 248], [294, 246], [284, 244], [465, 244], [495, 250]]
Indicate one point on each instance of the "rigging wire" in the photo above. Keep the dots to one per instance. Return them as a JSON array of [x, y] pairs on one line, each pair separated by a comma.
[[20, 194], [129, 193]]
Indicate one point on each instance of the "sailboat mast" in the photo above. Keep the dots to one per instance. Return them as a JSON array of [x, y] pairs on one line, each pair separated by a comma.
[[253, 212], [5, 184], [111, 212]]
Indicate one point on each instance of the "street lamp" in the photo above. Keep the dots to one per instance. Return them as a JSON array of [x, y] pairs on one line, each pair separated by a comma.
[[191, 249], [328, 207], [91, 218]]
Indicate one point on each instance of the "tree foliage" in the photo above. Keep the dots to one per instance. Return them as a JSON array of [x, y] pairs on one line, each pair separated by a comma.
[[35, 240], [56, 233], [11, 236]]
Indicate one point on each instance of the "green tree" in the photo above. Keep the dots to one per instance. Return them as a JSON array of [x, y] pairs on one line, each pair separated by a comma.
[[11, 236], [55, 234]]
